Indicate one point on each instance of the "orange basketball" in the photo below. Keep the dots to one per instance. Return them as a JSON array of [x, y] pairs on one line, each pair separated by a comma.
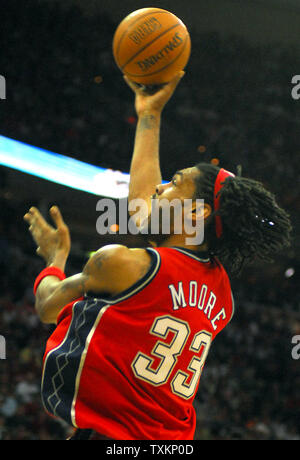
[[151, 45]]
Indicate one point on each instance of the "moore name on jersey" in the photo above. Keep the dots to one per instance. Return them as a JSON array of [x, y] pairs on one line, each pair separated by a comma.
[[198, 297]]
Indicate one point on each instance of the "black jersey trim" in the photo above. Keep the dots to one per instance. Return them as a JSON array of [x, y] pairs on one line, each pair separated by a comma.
[[201, 257], [233, 308], [63, 364]]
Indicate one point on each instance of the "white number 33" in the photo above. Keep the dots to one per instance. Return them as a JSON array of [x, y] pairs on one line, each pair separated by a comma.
[[168, 353]]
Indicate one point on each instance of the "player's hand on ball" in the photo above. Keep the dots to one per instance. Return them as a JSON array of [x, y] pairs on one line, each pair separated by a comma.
[[148, 102], [52, 242]]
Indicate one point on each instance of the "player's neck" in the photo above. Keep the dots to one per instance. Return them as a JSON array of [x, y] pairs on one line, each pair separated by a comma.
[[181, 241]]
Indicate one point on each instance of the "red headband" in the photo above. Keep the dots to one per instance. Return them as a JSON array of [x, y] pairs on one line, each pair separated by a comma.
[[222, 175]]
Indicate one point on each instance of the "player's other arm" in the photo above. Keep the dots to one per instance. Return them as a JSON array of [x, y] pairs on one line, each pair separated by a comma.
[[145, 173], [109, 271]]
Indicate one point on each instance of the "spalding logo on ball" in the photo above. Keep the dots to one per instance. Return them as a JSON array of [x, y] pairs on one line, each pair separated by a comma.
[[151, 45]]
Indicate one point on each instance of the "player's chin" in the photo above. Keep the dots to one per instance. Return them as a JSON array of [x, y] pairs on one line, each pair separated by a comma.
[[156, 238], [154, 230]]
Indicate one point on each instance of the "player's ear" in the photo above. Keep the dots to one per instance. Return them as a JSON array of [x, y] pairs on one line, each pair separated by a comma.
[[200, 210]]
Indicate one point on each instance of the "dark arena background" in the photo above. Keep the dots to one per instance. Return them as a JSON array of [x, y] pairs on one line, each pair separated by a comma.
[[235, 106]]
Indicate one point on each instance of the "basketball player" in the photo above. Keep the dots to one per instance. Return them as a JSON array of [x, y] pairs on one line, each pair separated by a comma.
[[133, 330]]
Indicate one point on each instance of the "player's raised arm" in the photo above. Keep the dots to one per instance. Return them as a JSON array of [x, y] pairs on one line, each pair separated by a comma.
[[145, 171]]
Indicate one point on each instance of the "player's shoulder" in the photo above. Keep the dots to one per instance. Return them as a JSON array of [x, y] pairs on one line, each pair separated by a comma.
[[118, 255], [116, 267]]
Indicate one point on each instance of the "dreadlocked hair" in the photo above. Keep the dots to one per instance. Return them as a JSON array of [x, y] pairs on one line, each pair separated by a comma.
[[254, 226]]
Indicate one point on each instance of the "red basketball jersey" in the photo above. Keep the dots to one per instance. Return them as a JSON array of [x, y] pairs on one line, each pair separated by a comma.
[[129, 366]]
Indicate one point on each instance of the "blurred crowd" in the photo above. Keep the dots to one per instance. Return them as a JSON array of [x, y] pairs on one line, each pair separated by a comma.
[[65, 94]]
